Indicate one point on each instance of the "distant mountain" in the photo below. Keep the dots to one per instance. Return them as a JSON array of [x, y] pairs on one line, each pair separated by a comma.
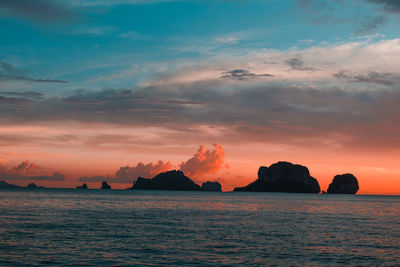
[[171, 180], [4, 184], [283, 177]]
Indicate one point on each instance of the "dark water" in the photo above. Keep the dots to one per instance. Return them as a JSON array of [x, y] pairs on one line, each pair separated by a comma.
[[71, 227]]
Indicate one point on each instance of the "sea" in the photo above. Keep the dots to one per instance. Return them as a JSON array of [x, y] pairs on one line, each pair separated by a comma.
[[67, 227]]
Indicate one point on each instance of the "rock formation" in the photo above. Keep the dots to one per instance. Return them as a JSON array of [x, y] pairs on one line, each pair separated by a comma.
[[211, 186], [343, 184], [32, 186], [84, 186], [4, 184], [283, 177], [105, 185], [171, 180]]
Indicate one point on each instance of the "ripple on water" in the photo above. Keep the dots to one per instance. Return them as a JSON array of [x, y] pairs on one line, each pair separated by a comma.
[[54, 227]]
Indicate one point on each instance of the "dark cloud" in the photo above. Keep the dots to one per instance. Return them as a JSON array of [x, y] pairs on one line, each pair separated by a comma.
[[28, 94], [387, 79], [389, 5], [297, 64], [240, 74], [8, 72], [127, 174], [247, 112], [330, 12], [369, 24], [29, 171], [204, 161], [43, 10]]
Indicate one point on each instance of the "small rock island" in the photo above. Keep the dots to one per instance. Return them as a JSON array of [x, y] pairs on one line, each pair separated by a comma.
[[170, 180], [211, 186], [343, 184], [32, 186], [83, 186], [283, 177], [105, 185]]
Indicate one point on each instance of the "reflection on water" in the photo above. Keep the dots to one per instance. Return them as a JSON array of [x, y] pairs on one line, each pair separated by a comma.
[[166, 227]]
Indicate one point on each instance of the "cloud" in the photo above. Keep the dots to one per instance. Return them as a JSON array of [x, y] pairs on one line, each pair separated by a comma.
[[387, 79], [367, 24], [44, 10], [297, 64], [207, 108], [144, 170], [204, 161], [94, 3], [8, 72], [239, 74], [389, 5], [29, 171], [127, 174]]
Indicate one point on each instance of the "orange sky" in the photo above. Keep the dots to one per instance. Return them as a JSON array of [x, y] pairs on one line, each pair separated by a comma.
[[377, 171]]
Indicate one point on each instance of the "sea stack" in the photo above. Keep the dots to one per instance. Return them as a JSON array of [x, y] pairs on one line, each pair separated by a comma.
[[283, 177], [343, 184], [105, 185], [171, 180], [211, 186]]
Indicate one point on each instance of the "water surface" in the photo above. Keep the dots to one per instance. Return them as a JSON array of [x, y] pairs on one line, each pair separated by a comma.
[[121, 227]]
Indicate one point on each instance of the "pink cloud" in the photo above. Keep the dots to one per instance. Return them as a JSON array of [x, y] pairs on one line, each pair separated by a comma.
[[204, 161], [29, 171], [141, 169], [127, 174]]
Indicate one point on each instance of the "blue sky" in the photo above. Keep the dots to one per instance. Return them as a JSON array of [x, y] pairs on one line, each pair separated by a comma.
[[100, 38]]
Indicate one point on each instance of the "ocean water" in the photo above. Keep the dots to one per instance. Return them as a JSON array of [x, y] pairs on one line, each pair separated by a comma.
[[121, 227]]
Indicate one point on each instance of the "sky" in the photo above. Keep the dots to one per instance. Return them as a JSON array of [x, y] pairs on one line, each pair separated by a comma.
[[94, 90]]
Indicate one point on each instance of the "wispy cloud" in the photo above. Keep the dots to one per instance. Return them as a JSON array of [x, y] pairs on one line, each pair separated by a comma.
[[8, 72], [44, 10]]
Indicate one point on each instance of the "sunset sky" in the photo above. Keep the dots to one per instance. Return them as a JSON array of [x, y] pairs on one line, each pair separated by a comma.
[[94, 90]]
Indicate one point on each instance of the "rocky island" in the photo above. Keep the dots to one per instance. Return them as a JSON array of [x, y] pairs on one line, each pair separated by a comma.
[[5, 185], [343, 184], [211, 186], [32, 186], [83, 186], [170, 180], [283, 177], [105, 185]]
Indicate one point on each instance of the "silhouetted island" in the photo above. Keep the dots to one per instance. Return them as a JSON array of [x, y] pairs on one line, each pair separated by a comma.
[[283, 177], [170, 180], [32, 186], [211, 186], [343, 184], [105, 185], [83, 186], [5, 185]]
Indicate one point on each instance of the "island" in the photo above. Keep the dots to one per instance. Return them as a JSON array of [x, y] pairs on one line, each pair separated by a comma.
[[211, 186], [32, 186], [5, 185], [105, 186], [343, 184], [283, 177], [170, 180], [83, 186]]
